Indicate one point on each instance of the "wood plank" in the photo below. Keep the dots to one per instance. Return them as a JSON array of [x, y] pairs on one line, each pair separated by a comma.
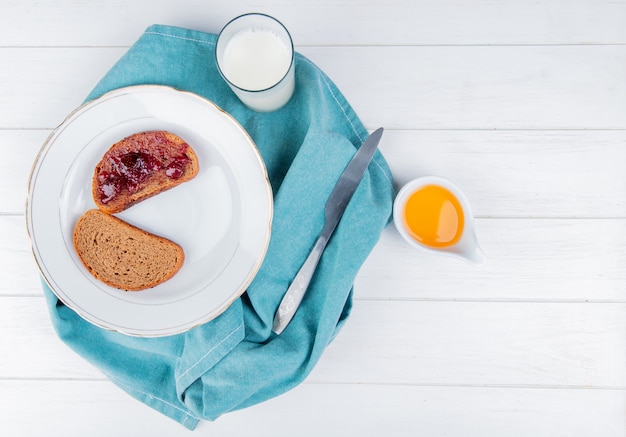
[[325, 22], [477, 87], [563, 87], [98, 409], [33, 100], [19, 148], [528, 260], [530, 174], [19, 275], [519, 173], [29, 340], [480, 343], [421, 343]]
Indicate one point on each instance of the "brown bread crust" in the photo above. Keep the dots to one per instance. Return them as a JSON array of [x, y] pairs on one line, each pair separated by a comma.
[[122, 255], [140, 166]]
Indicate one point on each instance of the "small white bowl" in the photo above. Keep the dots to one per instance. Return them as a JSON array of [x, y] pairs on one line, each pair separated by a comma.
[[467, 247]]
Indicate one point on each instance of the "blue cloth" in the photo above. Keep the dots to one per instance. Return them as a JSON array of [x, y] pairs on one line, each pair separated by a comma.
[[235, 361]]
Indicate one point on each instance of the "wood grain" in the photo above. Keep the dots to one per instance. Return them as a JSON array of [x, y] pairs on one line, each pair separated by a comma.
[[522, 87], [528, 260], [539, 174], [326, 22], [404, 342], [324, 409]]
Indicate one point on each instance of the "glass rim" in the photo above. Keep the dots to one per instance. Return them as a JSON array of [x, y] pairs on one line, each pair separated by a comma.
[[259, 14]]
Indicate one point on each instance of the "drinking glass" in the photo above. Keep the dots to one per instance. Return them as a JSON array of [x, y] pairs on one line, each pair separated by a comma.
[[255, 56]]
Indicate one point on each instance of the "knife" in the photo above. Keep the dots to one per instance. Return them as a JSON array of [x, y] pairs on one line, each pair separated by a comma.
[[335, 206]]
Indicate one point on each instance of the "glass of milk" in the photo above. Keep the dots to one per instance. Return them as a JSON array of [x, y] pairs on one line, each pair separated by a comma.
[[255, 56]]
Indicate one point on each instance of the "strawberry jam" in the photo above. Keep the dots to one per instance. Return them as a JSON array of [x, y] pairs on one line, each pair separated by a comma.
[[143, 156], [176, 168]]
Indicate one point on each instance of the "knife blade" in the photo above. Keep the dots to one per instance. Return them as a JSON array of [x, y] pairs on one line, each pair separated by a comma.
[[335, 207]]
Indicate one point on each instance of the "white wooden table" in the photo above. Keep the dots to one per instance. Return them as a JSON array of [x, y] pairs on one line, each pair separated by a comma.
[[521, 103]]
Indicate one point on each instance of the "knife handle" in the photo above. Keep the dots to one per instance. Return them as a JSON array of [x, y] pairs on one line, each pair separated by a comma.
[[291, 301]]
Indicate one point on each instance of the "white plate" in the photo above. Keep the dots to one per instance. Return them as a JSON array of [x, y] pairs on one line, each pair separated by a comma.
[[221, 218]]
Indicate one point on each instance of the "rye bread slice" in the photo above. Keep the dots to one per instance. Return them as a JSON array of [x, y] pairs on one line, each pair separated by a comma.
[[122, 255], [140, 166]]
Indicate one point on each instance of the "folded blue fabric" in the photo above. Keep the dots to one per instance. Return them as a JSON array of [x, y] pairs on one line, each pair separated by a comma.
[[235, 360]]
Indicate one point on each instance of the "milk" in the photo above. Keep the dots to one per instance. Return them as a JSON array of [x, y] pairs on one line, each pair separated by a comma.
[[256, 59], [255, 56]]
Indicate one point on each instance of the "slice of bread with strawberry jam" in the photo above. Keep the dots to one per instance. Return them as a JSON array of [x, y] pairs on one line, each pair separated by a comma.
[[141, 166]]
